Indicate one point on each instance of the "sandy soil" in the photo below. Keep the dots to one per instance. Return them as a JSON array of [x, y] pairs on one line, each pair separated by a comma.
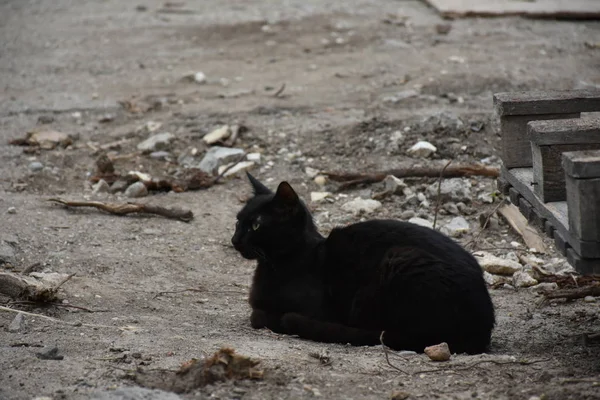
[[340, 63]]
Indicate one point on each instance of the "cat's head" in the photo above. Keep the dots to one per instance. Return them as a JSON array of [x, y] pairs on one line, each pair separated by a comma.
[[271, 223]]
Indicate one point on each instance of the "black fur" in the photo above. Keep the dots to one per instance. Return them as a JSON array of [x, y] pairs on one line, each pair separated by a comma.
[[415, 284]]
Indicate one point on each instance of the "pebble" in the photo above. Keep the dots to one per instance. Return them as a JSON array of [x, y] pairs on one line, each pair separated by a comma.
[[311, 172], [407, 214], [493, 280], [421, 222], [217, 135], [137, 189], [134, 393], [523, 279], [394, 185], [456, 227], [589, 299], [422, 149], [485, 198], [101, 187], [199, 77], [17, 323], [254, 157], [403, 95], [359, 206], [451, 208], [317, 197], [320, 180], [544, 287], [451, 190], [36, 166], [11, 210], [497, 265], [439, 352], [118, 186], [217, 156], [160, 155], [160, 141]]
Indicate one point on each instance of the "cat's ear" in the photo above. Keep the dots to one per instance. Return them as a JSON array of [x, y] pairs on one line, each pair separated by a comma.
[[286, 195], [258, 187]]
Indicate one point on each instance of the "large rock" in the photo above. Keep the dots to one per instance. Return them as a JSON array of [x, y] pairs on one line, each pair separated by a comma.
[[359, 206], [156, 142], [455, 189], [497, 265], [217, 156]]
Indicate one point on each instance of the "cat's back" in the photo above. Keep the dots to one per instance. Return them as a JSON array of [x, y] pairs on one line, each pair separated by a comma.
[[377, 236]]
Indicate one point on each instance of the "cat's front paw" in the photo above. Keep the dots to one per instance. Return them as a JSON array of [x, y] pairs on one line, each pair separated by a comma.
[[258, 319], [292, 322]]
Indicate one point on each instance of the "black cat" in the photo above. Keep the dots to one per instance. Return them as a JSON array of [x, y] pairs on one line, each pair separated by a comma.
[[413, 283]]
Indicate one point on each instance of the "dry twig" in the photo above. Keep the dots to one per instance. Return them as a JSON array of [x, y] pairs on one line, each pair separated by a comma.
[[128, 208], [450, 368], [279, 91], [387, 356], [352, 179], [577, 293]]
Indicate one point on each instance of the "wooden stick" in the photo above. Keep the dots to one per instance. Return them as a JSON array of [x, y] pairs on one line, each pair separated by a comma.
[[128, 208], [517, 221], [577, 293], [452, 171]]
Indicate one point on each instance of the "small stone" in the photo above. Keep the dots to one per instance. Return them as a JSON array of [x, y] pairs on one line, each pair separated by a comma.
[[160, 141], [512, 256], [311, 172], [359, 206], [51, 354], [160, 155], [36, 166], [493, 280], [451, 208], [421, 222], [45, 119], [485, 198], [589, 299], [217, 135], [199, 77], [497, 265], [11, 210], [531, 259], [137, 189], [320, 180], [403, 95], [393, 185], [398, 395], [407, 214], [118, 186], [17, 323], [217, 156], [254, 157], [439, 352], [317, 197], [443, 29], [396, 138], [241, 166], [456, 227], [455, 190], [523, 279], [101, 187], [422, 149]]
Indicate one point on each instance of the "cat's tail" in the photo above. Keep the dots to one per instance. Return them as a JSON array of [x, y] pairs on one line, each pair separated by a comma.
[[328, 332]]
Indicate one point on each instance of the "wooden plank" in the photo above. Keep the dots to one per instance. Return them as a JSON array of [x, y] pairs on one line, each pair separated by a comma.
[[585, 266], [525, 208], [518, 222], [516, 148], [583, 199], [549, 229], [548, 172], [564, 131], [582, 164], [513, 195], [555, 212], [561, 243], [547, 102]]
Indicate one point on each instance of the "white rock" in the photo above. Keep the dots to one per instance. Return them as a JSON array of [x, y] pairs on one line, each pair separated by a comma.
[[101, 187], [217, 156], [358, 206], [316, 197], [17, 323], [396, 137], [523, 279], [421, 222], [320, 180], [485, 198], [199, 77], [142, 176], [493, 280], [11, 210], [160, 141], [544, 287], [36, 166], [393, 184], [455, 189], [254, 157], [241, 166], [422, 149], [456, 227], [311, 172], [407, 214], [217, 135], [497, 265], [137, 189], [589, 299]]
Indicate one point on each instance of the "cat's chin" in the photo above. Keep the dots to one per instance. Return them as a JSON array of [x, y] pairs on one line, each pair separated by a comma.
[[248, 255]]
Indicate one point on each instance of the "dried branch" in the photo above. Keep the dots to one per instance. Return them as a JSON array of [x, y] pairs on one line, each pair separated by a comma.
[[352, 179], [279, 91], [577, 293], [439, 192], [387, 356], [128, 208]]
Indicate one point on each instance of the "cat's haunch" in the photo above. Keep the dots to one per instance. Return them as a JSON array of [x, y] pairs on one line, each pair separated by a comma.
[[413, 283]]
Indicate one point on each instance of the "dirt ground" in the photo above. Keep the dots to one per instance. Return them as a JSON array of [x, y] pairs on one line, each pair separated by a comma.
[[342, 63]]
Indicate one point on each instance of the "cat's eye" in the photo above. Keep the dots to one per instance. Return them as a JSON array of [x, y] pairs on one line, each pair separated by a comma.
[[255, 226]]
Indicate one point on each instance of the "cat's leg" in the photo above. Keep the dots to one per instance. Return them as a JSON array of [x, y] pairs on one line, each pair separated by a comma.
[[262, 319], [328, 332]]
